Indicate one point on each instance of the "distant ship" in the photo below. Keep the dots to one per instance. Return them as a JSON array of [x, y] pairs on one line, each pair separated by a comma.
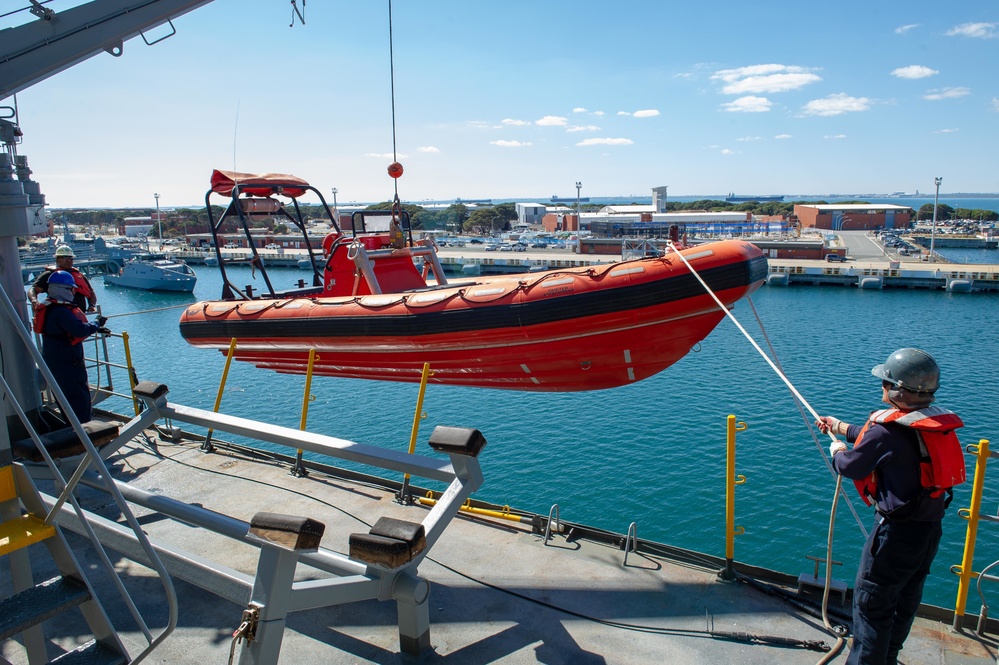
[[732, 198]]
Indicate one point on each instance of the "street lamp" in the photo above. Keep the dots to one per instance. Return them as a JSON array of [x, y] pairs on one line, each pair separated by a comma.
[[933, 231], [579, 221], [336, 213], [160, 221]]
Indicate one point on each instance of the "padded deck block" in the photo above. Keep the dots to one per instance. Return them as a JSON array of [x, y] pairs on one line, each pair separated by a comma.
[[64, 442], [287, 531], [457, 440], [391, 543], [150, 390]]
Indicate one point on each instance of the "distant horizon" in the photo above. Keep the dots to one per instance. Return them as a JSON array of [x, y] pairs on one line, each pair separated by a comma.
[[789, 198]]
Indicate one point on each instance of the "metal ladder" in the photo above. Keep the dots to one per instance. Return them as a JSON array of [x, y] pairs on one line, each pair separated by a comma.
[[25, 520]]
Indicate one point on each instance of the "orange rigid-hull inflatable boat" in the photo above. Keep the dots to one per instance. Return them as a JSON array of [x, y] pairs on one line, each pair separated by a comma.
[[373, 315]]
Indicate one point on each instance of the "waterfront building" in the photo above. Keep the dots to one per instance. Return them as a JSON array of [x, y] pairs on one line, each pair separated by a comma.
[[854, 216]]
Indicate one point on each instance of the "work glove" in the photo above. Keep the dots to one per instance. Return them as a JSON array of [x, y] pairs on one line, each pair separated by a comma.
[[828, 424], [104, 331], [836, 446], [101, 320]]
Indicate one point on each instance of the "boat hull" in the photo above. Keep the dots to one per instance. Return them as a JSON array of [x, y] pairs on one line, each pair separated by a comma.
[[561, 330]]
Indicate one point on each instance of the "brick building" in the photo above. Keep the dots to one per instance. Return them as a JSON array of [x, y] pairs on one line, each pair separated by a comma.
[[854, 216]]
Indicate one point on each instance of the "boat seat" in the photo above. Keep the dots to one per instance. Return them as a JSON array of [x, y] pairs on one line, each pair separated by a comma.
[[64, 442], [151, 391], [390, 543], [457, 440]]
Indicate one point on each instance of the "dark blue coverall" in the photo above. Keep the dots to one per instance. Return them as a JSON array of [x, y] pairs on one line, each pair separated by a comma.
[[64, 358], [898, 553]]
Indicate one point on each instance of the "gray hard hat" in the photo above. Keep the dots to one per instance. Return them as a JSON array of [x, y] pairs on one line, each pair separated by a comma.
[[911, 369]]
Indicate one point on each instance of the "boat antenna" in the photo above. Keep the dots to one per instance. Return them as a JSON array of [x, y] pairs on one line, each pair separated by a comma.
[[235, 131]]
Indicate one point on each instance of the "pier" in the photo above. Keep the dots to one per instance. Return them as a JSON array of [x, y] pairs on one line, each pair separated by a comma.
[[959, 278]]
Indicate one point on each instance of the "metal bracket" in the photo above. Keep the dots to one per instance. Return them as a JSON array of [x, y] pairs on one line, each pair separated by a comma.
[[43, 13], [247, 629], [173, 31]]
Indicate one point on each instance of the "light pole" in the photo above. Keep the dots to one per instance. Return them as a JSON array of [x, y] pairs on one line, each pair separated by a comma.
[[579, 220], [336, 213], [933, 231], [158, 220]]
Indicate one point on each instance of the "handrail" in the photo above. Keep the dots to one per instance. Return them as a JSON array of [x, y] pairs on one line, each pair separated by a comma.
[[91, 457], [631, 541], [972, 514], [548, 524], [731, 480]]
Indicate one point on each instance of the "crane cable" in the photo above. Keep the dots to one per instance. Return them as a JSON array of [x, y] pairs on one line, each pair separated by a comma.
[[838, 631]]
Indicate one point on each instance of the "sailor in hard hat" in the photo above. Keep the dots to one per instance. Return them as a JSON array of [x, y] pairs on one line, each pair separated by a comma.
[[888, 463], [85, 297], [63, 326]]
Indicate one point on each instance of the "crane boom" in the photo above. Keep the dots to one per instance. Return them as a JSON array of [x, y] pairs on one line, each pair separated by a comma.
[[32, 52]]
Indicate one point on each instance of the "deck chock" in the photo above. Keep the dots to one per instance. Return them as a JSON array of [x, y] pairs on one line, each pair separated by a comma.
[[151, 391], [286, 531], [64, 442], [457, 440], [813, 580], [390, 543]]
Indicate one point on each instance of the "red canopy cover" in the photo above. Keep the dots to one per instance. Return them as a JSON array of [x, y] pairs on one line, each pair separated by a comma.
[[264, 184]]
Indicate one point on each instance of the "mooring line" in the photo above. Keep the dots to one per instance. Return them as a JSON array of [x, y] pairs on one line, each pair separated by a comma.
[[148, 311]]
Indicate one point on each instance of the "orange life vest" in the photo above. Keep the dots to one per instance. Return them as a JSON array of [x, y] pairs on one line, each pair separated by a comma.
[[42, 309], [82, 283], [941, 458]]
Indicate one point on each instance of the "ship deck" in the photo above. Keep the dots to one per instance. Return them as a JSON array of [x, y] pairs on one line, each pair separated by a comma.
[[498, 592]]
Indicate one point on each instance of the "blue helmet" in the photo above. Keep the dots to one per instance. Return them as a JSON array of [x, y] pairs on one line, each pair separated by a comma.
[[62, 277]]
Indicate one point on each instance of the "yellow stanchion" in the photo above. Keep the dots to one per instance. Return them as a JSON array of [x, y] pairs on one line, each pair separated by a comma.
[[504, 514], [731, 480], [299, 470], [130, 370], [207, 445], [418, 415], [965, 570]]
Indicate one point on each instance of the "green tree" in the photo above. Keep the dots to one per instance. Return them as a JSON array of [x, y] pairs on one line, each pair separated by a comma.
[[483, 220], [926, 211]]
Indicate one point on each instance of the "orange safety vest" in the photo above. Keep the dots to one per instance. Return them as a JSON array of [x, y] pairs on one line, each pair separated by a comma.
[[941, 458], [42, 309], [82, 283]]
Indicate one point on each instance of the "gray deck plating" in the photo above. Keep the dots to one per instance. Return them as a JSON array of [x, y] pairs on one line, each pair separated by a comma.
[[497, 595]]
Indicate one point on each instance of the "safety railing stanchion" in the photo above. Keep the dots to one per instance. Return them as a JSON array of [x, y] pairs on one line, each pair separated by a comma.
[[418, 415], [964, 571], [207, 445], [299, 470], [131, 371], [731, 480]]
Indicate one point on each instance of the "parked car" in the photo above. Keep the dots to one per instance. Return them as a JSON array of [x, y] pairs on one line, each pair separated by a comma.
[[491, 248], [835, 258], [520, 248], [273, 245], [539, 245], [230, 245], [477, 241]]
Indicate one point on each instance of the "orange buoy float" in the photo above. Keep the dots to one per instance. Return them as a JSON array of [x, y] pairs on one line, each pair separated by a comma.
[[395, 170]]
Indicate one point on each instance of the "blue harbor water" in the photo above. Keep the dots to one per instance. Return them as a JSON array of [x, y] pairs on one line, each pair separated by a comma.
[[653, 452]]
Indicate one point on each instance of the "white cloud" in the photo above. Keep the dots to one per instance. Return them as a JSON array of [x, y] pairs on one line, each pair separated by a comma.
[[836, 105], [623, 113], [579, 109], [646, 113], [781, 137], [749, 138], [913, 72], [385, 155], [947, 93], [834, 137], [552, 121], [995, 103], [510, 144], [595, 141], [582, 128], [515, 123], [428, 148], [902, 29], [945, 131], [599, 113], [481, 124], [748, 104], [764, 78], [726, 151], [979, 30]]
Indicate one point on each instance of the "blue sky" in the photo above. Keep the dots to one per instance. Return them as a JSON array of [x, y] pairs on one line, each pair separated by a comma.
[[523, 98]]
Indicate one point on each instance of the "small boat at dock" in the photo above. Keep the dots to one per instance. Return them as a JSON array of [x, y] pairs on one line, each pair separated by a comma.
[[154, 272]]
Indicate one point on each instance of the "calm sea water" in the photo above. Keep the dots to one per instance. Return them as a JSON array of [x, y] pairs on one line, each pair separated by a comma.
[[652, 452]]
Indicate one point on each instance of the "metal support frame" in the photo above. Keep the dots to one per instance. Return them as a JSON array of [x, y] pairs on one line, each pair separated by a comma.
[[352, 580]]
